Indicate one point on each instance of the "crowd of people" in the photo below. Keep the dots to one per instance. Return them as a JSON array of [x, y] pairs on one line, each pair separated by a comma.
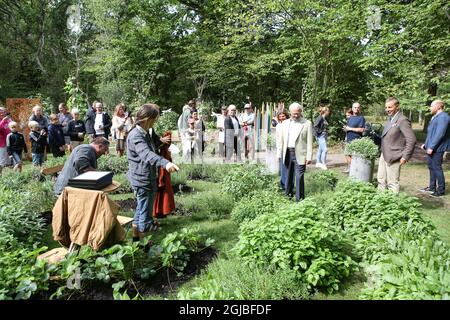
[[60, 133], [150, 162]]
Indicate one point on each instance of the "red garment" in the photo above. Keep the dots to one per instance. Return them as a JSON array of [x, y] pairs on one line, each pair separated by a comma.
[[164, 202]]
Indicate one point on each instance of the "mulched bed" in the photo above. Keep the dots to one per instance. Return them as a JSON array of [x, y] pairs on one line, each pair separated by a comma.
[[156, 285]]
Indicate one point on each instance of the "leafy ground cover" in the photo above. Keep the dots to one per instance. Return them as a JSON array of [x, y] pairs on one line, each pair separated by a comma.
[[386, 247]]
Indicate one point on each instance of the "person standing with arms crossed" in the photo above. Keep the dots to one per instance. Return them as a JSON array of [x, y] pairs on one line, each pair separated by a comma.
[[356, 124]]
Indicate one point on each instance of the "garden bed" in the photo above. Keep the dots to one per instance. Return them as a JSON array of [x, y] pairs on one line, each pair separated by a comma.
[[161, 284]]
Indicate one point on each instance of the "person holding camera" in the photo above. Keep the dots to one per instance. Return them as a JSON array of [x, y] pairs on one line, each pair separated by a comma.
[[121, 124]]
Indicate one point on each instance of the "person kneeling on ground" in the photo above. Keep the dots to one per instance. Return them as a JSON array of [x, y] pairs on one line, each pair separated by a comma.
[[82, 159]]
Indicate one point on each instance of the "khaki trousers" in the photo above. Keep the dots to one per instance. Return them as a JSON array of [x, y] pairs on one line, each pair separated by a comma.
[[388, 175]]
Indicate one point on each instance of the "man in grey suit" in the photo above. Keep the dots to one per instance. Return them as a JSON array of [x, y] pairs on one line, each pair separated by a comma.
[[397, 146]]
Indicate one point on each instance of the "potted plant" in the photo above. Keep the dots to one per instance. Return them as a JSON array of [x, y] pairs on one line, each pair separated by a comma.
[[364, 152]]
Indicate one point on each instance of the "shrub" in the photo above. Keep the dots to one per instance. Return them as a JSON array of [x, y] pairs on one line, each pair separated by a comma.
[[175, 249], [320, 181], [364, 213], [234, 280], [129, 261], [113, 163], [167, 122], [18, 220], [242, 179], [21, 275], [257, 203], [297, 237], [364, 148]]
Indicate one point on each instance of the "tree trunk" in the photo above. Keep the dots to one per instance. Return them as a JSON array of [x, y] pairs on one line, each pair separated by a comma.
[[432, 92]]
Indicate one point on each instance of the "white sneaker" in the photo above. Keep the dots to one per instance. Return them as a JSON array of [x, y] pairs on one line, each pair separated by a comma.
[[324, 166], [318, 165]]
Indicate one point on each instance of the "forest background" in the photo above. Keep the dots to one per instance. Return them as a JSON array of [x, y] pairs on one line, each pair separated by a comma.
[[329, 52]]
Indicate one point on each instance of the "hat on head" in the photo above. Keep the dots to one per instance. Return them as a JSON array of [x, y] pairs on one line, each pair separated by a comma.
[[223, 108], [247, 106]]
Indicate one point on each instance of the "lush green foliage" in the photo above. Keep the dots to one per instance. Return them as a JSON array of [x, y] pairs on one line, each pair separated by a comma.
[[257, 203], [175, 249], [21, 274], [364, 214], [241, 180], [23, 197], [166, 122], [125, 186], [413, 268], [53, 162], [319, 181], [364, 148], [222, 51], [113, 163], [297, 237], [233, 280]]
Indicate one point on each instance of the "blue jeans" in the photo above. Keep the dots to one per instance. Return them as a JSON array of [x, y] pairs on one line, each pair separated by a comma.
[[143, 216], [37, 159], [322, 152], [16, 157], [299, 171], [436, 173]]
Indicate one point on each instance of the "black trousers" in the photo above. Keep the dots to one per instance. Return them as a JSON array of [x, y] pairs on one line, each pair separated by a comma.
[[294, 169]]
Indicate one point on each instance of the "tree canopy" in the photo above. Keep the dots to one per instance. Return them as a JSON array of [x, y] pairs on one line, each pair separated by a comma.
[[222, 51]]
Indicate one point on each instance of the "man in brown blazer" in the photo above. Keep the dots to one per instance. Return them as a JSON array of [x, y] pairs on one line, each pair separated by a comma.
[[397, 146]]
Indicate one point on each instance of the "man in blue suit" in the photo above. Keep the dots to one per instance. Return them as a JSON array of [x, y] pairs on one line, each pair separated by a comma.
[[436, 143]]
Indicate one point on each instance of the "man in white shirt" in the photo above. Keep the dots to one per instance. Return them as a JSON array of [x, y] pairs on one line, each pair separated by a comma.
[[294, 148], [102, 122], [232, 134], [247, 122]]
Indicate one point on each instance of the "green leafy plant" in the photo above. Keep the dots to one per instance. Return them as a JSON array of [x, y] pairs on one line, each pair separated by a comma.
[[363, 213], [53, 162], [241, 180], [175, 249], [320, 181], [113, 163], [21, 274], [297, 237], [167, 122], [257, 203], [417, 269], [364, 148]]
